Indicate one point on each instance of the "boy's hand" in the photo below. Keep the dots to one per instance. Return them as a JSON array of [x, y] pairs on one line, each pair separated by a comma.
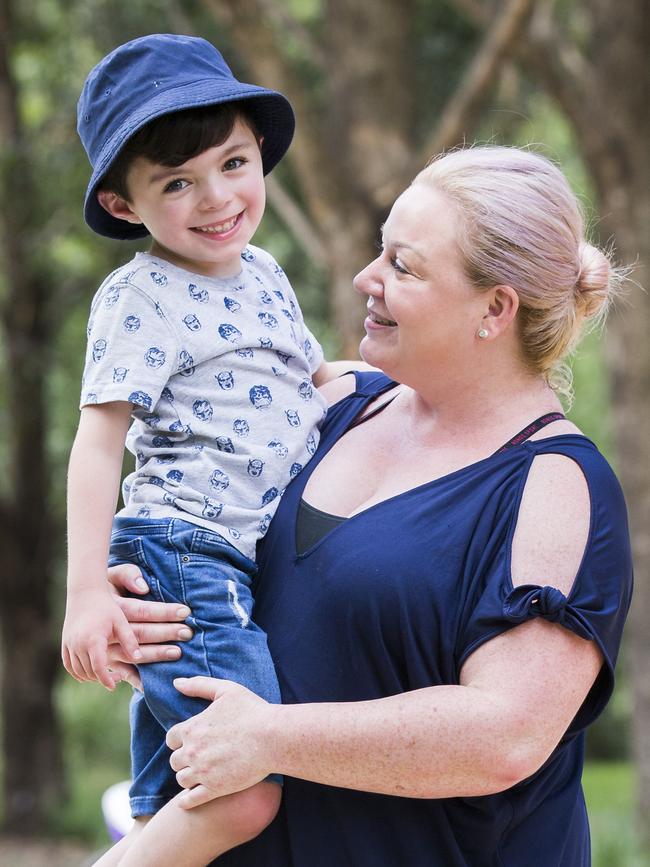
[[93, 619]]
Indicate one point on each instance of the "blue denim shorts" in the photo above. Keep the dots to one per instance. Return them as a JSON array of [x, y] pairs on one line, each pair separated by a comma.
[[187, 564]]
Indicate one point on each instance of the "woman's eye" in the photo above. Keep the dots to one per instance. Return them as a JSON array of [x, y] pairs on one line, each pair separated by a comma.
[[397, 265], [175, 185], [234, 163]]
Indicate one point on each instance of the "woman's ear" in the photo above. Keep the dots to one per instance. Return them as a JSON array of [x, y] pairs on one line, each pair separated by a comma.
[[503, 303], [117, 206]]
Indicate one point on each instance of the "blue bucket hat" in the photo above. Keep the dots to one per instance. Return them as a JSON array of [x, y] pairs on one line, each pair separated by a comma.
[[156, 75]]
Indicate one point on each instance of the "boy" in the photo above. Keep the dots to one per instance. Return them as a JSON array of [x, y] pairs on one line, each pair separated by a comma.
[[199, 346]]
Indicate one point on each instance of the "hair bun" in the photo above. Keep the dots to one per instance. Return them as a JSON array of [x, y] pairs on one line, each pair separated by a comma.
[[592, 285]]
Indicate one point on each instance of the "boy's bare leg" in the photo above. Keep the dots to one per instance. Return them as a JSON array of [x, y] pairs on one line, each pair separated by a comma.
[[116, 852], [175, 837]]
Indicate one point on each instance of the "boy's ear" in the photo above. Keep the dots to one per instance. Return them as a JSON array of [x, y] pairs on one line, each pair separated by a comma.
[[117, 206]]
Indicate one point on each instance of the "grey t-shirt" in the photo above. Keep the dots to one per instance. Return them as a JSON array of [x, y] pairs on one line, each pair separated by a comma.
[[219, 372]]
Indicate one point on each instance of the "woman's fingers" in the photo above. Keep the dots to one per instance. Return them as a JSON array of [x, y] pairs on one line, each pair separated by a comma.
[[185, 778], [195, 797], [127, 578], [202, 687], [160, 633], [210, 752], [174, 740], [145, 611], [150, 653]]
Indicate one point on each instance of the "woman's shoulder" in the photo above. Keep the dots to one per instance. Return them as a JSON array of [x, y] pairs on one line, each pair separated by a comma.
[[355, 383], [564, 448], [348, 395], [570, 484]]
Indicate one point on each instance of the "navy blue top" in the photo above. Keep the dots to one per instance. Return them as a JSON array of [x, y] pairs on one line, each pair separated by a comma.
[[396, 598]]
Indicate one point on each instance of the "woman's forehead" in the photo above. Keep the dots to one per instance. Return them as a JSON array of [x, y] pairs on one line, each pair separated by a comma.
[[420, 216]]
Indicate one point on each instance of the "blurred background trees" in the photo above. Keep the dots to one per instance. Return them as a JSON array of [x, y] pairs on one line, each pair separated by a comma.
[[378, 86]]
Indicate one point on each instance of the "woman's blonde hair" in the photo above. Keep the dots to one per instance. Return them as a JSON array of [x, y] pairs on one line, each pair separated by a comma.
[[522, 226]]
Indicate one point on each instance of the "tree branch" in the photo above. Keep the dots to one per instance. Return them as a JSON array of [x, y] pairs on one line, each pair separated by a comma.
[[296, 221], [567, 75], [256, 45], [460, 112]]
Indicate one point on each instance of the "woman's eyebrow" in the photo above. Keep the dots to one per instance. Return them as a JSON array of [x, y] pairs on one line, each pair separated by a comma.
[[402, 245]]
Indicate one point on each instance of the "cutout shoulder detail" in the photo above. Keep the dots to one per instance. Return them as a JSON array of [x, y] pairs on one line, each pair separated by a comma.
[[553, 523]]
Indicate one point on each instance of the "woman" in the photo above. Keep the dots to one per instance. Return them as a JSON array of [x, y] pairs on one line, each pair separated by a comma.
[[444, 586]]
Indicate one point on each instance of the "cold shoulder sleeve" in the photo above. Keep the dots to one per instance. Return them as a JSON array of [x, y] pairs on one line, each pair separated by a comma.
[[596, 607]]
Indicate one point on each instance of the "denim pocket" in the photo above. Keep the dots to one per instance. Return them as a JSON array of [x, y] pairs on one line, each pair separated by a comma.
[[209, 543], [132, 551], [206, 543]]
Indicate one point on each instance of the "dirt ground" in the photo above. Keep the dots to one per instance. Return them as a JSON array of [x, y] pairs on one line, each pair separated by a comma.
[[44, 853]]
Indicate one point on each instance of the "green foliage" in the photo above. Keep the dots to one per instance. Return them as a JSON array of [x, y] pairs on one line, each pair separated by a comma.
[[609, 793], [96, 753], [443, 44]]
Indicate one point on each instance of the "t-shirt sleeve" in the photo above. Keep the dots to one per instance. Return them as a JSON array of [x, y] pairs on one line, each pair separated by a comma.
[[132, 349], [597, 605], [312, 348]]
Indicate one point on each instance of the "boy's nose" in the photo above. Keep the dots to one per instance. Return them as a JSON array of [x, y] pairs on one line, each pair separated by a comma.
[[215, 195]]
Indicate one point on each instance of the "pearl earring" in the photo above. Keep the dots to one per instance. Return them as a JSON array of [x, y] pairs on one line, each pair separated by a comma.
[[482, 333]]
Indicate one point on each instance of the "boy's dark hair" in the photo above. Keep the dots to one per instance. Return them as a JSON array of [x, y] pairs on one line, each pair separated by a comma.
[[172, 139]]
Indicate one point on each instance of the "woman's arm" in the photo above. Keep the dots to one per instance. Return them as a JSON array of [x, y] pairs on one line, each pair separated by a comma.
[[517, 696]]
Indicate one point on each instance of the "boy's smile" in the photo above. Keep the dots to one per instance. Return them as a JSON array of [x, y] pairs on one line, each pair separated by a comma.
[[221, 230], [203, 213]]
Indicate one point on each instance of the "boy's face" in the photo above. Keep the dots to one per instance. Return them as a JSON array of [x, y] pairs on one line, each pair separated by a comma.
[[203, 213]]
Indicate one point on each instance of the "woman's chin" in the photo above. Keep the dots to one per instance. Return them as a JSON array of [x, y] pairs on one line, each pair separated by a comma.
[[373, 355], [368, 352]]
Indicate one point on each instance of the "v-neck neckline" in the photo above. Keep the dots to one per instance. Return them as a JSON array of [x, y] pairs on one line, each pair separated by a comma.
[[316, 461]]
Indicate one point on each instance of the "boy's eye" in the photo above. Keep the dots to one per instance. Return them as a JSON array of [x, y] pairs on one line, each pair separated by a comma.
[[175, 185], [234, 163]]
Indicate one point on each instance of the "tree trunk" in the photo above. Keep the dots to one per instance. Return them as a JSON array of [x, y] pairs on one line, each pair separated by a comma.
[[603, 92], [622, 175], [29, 648]]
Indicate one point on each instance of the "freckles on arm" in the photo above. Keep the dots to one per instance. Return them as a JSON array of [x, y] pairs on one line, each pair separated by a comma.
[[518, 694]]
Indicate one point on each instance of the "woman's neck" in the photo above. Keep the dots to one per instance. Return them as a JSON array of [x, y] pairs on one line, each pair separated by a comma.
[[480, 409]]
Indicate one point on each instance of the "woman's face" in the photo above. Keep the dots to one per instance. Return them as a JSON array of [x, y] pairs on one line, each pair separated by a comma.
[[423, 314]]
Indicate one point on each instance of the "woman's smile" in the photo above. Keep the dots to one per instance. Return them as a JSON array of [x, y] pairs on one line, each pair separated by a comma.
[[374, 321]]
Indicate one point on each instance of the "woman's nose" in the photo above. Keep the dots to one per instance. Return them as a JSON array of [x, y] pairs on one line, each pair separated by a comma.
[[368, 282]]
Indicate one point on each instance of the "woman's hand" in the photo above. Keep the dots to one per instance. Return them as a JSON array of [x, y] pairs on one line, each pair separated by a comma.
[[154, 624], [222, 749]]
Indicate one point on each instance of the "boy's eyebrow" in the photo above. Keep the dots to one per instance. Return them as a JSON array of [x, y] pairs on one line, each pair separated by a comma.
[[160, 173]]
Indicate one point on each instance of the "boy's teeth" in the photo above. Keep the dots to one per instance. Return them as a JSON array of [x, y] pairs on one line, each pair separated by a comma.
[[218, 228]]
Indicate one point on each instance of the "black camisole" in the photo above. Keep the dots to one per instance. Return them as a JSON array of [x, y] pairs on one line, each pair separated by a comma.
[[312, 523]]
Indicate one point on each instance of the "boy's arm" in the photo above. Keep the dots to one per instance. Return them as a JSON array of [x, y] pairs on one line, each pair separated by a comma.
[[330, 370], [93, 617]]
